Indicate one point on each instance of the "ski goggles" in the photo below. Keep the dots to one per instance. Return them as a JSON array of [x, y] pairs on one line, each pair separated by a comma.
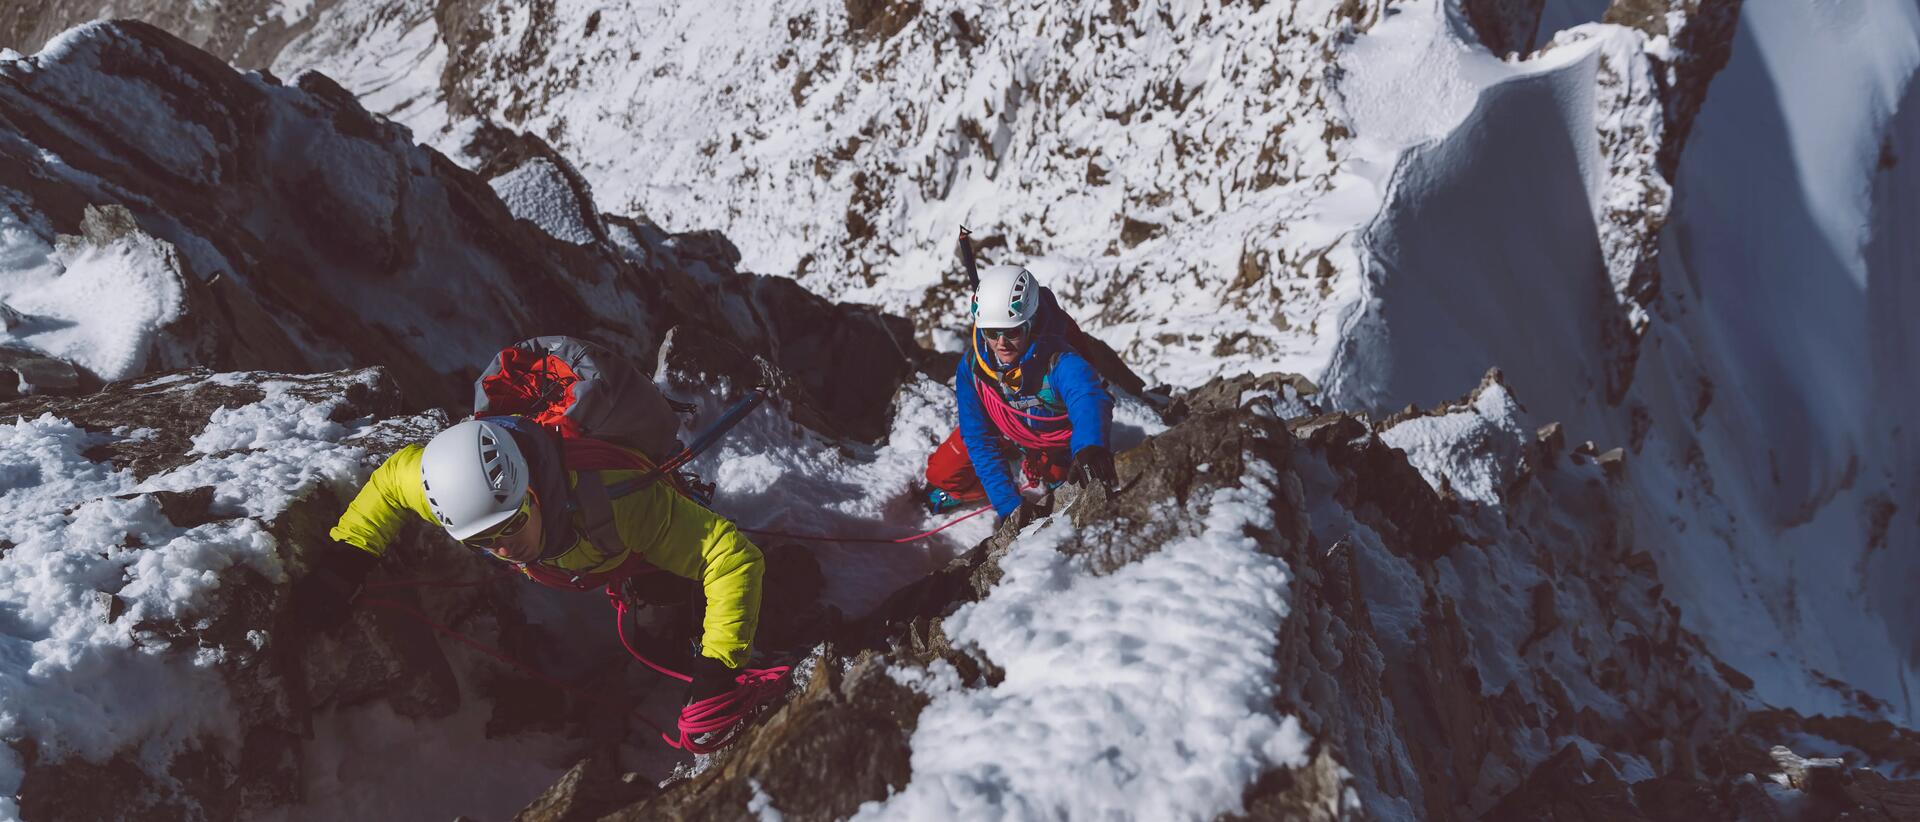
[[1015, 332], [507, 530]]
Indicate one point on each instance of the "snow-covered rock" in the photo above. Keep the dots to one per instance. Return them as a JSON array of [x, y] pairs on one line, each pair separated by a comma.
[[1757, 424], [249, 224], [1698, 271], [153, 667], [1362, 645]]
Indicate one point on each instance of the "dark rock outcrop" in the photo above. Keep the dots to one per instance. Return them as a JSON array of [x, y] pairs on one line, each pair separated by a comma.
[[841, 741], [29, 372], [307, 234], [1505, 27], [1702, 44], [589, 791]]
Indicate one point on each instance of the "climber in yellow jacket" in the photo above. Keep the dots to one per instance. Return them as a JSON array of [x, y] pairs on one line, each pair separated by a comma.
[[506, 487]]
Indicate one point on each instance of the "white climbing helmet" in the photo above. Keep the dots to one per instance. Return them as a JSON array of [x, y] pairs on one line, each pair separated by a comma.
[[475, 477], [1008, 297]]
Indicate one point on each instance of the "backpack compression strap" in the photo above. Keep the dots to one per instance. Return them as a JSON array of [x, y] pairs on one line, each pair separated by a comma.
[[591, 497], [596, 514]]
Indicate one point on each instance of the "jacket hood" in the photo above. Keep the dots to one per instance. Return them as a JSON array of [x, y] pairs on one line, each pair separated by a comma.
[[548, 483]]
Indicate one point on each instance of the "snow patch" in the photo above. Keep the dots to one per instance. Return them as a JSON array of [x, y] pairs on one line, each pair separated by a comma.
[[760, 804], [1475, 452], [75, 681], [1146, 693], [100, 307], [538, 191]]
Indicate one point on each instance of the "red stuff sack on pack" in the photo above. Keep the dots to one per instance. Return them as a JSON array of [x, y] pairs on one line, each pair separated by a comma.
[[579, 389]]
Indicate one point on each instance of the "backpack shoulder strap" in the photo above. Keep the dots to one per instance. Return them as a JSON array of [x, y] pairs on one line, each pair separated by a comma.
[[596, 513]]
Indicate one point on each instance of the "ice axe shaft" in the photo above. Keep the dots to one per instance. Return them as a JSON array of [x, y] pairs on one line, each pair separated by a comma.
[[719, 428], [714, 432], [966, 257]]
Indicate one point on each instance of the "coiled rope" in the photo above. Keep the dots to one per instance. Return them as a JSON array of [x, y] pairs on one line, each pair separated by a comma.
[[1008, 419], [714, 717]]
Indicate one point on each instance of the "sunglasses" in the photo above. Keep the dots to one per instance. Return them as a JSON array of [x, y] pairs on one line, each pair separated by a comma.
[[507, 530], [1015, 332]]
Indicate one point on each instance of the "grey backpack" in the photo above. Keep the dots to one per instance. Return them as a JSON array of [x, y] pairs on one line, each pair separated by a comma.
[[579, 389]]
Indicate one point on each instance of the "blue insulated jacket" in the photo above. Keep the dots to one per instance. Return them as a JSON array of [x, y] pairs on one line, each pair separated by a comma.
[[1049, 386]]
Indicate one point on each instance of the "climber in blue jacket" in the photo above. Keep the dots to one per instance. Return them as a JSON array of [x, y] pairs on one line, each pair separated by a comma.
[[1022, 385]]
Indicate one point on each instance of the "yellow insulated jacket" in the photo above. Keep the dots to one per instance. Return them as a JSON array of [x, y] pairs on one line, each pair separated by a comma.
[[668, 530]]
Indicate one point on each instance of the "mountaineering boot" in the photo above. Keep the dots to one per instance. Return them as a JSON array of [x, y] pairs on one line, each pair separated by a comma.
[[938, 501]]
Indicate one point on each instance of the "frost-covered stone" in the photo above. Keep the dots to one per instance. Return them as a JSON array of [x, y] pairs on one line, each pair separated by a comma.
[[537, 191]]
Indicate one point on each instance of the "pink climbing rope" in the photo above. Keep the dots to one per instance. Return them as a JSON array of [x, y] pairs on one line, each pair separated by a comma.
[[880, 540], [1007, 418], [717, 715], [497, 655], [755, 687]]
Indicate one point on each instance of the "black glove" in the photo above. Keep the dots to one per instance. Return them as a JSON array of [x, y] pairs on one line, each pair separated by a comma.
[[1021, 517], [323, 599], [1093, 464], [711, 678]]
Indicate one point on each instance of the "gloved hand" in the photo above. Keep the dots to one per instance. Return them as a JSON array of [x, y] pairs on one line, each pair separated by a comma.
[[711, 678], [1021, 517], [1093, 464], [323, 599]]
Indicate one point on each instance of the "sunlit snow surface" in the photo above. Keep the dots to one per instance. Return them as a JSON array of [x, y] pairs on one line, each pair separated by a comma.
[[1212, 131], [99, 307], [1146, 693]]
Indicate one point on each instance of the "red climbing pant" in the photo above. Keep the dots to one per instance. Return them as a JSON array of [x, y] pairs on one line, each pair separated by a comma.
[[951, 470]]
